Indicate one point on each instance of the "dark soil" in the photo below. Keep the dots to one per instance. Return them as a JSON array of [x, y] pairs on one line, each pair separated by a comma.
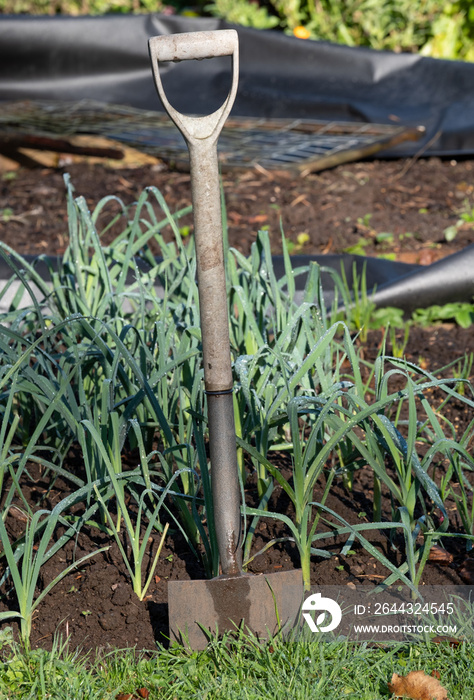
[[95, 605], [412, 202]]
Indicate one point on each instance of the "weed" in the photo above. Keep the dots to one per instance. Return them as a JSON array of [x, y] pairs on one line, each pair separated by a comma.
[[358, 248], [466, 216], [301, 240], [398, 348], [461, 312]]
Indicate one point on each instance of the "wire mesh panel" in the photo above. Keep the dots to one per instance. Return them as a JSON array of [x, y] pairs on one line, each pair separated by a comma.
[[301, 145]]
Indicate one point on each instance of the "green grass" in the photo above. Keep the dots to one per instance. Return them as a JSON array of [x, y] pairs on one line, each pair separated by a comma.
[[300, 669]]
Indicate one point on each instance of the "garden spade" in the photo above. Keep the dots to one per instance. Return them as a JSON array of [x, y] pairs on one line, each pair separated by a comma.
[[258, 602]]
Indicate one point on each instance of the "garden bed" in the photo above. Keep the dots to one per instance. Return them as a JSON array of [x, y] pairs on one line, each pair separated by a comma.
[[95, 606]]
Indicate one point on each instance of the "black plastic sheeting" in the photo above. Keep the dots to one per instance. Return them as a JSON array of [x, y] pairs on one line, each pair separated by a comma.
[[106, 59], [401, 285], [389, 283], [379, 273]]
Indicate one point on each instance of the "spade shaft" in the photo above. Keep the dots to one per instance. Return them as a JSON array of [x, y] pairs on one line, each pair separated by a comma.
[[201, 135], [213, 309]]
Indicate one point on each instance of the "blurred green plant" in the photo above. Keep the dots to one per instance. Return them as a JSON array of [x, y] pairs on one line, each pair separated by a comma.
[[461, 313], [462, 370], [82, 7], [249, 14], [434, 29], [426, 26], [466, 216], [358, 307], [399, 346]]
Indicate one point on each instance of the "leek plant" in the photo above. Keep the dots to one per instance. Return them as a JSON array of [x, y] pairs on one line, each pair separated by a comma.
[[342, 412], [463, 495], [275, 343], [24, 561], [99, 359], [358, 306], [8, 428], [103, 350]]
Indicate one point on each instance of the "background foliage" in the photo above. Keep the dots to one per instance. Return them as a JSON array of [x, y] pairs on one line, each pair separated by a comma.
[[440, 30]]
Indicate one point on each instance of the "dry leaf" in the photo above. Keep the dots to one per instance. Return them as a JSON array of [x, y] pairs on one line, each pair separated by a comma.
[[453, 642], [438, 555], [18, 514], [257, 219], [467, 575], [467, 571], [417, 685], [427, 256], [143, 693]]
